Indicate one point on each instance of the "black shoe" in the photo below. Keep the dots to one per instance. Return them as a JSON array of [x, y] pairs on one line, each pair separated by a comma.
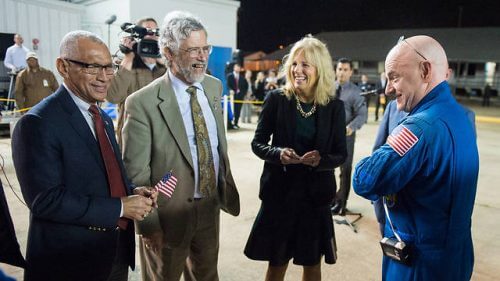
[[338, 208]]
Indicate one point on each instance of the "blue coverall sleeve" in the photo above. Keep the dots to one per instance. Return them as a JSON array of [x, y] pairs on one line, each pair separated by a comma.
[[386, 172]]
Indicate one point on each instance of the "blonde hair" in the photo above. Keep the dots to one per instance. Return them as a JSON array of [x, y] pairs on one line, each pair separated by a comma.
[[316, 53]]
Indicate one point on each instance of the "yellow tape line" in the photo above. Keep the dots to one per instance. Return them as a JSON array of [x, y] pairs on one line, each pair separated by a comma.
[[487, 119], [248, 101], [2, 99]]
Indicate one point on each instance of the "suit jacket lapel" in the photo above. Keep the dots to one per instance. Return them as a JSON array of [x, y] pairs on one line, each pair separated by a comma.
[[291, 120], [322, 126], [214, 101], [81, 126], [170, 112]]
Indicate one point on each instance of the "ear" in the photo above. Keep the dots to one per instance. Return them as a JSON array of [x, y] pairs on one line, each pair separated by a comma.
[[62, 68], [426, 70], [168, 53]]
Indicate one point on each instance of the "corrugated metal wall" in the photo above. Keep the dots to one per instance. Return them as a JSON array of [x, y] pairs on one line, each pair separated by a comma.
[[48, 21]]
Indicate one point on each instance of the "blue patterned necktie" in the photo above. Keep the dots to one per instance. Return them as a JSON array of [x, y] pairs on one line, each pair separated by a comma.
[[205, 158]]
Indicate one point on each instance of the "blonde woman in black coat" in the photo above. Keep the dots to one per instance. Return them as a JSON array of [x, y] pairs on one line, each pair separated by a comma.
[[307, 126]]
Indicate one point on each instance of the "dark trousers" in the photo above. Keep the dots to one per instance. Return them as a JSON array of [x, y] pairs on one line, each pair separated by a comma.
[[237, 107], [346, 171], [119, 271]]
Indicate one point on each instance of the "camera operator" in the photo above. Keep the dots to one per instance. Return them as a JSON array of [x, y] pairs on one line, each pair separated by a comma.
[[136, 71]]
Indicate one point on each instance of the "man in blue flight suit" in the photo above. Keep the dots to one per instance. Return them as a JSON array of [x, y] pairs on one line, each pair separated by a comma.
[[429, 167]]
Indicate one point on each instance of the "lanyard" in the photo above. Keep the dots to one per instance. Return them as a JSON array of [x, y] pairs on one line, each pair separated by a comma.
[[390, 222]]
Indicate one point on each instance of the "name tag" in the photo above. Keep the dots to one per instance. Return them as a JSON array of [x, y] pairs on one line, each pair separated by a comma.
[[45, 83]]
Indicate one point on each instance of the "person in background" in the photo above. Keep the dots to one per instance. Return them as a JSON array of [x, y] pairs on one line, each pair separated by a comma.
[[238, 87], [68, 164], [380, 98], [486, 95], [175, 127], [427, 170], [15, 56], [135, 72], [365, 86], [259, 85], [246, 110], [271, 81], [34, 83], [307, 127], [355, 117]]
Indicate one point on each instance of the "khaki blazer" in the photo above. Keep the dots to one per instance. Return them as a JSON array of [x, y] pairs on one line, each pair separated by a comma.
[[155, 142]]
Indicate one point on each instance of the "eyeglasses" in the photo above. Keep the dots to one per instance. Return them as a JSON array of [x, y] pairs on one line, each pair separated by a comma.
[[195, 51], [93, 68], [402, 39]]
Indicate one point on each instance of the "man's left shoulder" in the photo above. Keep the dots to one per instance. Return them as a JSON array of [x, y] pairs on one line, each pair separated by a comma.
[[212, 79], [211, 82]]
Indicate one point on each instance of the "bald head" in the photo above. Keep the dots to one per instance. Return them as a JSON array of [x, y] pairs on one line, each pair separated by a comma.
[[414, 67], [423, 48], [69, 43]]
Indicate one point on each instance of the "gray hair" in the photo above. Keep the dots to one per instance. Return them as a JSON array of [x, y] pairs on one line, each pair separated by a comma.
[[69, 42], [177, 26]]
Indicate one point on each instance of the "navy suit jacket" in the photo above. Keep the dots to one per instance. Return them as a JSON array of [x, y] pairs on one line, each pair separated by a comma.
[[60, 169]]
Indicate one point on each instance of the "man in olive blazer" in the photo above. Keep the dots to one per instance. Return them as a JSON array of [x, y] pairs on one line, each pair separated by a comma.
[[156, 141]]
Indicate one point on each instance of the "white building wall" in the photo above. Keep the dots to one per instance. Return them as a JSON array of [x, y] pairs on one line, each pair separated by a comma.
[[97, 12], [48, 21]]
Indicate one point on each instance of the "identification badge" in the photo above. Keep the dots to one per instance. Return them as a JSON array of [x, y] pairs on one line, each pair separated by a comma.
[[45, 83]]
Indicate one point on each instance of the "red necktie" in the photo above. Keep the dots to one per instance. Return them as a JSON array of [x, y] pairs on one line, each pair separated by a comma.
[[115, 179], [237, 90]]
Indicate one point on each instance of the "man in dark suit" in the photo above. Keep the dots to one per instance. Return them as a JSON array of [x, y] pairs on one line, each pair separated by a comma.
[[238, 86], [71, 175]]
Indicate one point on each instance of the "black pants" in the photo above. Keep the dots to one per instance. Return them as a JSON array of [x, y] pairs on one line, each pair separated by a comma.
[[119, 271], [237, 107], [346, 171]]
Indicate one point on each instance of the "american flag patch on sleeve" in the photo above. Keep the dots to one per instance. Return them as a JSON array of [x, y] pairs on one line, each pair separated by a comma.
[[167, 184], [402, 140]]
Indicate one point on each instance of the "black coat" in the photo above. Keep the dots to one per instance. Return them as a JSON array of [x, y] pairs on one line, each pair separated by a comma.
[[64, 183], [239, 93], [277, 119]]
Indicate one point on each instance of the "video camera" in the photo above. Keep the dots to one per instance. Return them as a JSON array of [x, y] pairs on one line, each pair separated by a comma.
[[143, 47]]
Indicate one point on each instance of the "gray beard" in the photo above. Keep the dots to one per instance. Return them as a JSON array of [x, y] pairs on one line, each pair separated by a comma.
[[190, 77]]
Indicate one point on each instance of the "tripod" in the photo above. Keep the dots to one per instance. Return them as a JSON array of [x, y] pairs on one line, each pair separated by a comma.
[[344, 215], [8, 104]]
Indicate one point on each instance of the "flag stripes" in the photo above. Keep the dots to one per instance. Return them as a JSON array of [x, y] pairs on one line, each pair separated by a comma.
[[402, 140], [167, 185]]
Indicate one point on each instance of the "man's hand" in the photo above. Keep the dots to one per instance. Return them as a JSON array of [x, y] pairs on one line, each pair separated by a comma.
[[311, 158], [288, 156], [149, 192], [348, 131], [153, 242], [136, 207], [128, 59]]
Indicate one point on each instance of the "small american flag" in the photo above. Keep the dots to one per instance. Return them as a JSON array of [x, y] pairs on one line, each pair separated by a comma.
[[167, 184], [401, 140]]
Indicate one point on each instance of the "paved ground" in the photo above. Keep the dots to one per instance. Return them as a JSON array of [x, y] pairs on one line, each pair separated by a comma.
[[359, 253]]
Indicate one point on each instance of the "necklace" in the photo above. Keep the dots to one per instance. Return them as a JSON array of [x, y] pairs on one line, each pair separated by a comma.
[[302, 112]]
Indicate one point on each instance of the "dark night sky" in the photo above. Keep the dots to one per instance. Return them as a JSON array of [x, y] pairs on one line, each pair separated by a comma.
[[266, 24]]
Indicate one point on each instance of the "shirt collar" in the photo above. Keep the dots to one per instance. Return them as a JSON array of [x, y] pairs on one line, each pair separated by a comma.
[[179, 85]]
